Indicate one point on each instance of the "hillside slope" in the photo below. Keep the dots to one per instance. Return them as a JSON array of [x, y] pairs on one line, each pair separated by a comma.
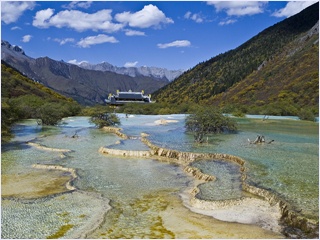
[[208, 79], [283, 85], [87, 87], [23, 98]]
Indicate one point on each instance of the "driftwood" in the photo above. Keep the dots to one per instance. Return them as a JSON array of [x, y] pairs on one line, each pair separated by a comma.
[[259, 139], [75, 135]]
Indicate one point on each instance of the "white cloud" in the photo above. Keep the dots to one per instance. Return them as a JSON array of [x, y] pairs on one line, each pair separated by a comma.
[[11, 11], [74, 61], [149, 16], [76, 4], [80, 21], [63, 41], [42, 17], [239, 8], [292, 8], [195, 17], [227, 22], [178, 43], [187, 15], [16, 28], [93, 40], [26, 38], [130, 64], [134, 33]]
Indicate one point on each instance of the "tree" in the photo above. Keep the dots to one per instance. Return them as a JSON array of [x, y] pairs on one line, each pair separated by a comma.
[[306, 114], [105, 119], [49, 113], [208, 120]]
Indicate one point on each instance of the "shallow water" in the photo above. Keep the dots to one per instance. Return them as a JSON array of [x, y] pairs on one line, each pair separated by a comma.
[[139, 189], [119, 179], [227, 185], [288, 166]]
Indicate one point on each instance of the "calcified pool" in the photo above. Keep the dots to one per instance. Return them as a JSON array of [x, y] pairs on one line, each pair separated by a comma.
[[120, 197], [288, 166]]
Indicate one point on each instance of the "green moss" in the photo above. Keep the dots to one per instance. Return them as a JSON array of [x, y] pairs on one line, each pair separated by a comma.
[[61, 232], [159, 231], [140, 219], [63, 214]]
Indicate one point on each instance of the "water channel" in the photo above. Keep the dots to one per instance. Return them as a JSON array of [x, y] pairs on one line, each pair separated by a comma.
[[119, 197]]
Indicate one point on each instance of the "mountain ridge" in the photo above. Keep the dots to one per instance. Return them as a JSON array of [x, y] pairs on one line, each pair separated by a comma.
[[87, 87], [285, 85], [153, 72], [209, 78], [157, 73]]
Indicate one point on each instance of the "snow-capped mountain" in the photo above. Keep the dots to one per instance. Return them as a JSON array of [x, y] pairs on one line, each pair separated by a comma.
[[155, 72]]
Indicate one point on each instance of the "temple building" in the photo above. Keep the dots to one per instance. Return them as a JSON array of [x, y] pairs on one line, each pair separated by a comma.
[[127, 97]]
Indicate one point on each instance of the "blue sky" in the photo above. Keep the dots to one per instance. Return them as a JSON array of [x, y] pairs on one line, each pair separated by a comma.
[[167, 34]]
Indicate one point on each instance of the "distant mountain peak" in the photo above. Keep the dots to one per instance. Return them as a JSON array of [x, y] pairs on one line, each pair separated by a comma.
[[155, 72], [84, 84], [13, 48]]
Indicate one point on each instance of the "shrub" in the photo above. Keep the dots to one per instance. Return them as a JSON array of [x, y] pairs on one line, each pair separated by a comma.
[[238, 113], [208, 120], [305, 114], [49, 113], [105, 119]]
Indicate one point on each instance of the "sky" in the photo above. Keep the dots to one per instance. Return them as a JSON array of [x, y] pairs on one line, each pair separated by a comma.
[[166, 34]]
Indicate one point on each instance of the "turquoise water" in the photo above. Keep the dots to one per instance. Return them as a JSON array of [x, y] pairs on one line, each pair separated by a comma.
[[131, 144], [121, 180], [227, 185], [289, 166]]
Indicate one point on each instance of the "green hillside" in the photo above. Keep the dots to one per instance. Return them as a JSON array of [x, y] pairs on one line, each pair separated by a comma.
[[22, 98], [202, 83], [287, 84]]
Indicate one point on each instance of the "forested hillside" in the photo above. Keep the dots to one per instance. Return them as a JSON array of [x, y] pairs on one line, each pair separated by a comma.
[[287, 84], [271, 47], [22, 98]]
